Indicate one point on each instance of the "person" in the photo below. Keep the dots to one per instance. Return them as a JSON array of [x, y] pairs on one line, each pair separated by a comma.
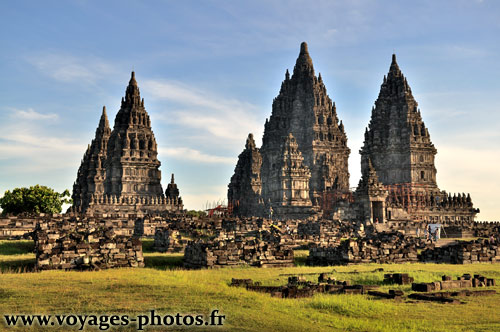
[[376, 221], [426, 235], [418, 231], [271, 212], [438, 233], [492, 238], [287, 229], [429, 232]]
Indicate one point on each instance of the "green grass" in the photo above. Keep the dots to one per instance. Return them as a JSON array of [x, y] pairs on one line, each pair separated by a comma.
[[16, 256], [164, 286]]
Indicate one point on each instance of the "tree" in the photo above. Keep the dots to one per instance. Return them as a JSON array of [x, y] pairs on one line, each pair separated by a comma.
[[35, 199]]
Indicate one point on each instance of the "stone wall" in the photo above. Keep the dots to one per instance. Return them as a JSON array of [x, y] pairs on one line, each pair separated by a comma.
[[376, 248], [16, 227], [85, 245], [263, 250], [470, 252]]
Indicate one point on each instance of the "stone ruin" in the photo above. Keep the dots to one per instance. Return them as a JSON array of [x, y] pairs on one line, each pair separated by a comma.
[[299, 287], [167, 240], [221, 241], [261, 249], [304, 151], [119, 173], [464, 252], [377, 248], [397, 159], [85, 245]]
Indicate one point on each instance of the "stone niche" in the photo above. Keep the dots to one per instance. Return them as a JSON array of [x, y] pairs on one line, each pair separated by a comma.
[[84, 245]]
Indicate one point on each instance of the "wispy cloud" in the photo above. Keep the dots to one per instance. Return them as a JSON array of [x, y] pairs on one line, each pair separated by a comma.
[[41, 142], [70, 68], [31, 114], [219, 117], [185, 153]]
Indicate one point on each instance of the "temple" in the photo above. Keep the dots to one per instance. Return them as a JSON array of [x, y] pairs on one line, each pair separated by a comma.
[[399, 146], [304, 110], [301, 170], [120, 172]]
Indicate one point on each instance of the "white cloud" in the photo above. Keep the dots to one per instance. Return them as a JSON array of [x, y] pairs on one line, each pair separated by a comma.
[[218, 117], [31, 114], [185, 153], [473, 171], [69, 68], [31, 141]]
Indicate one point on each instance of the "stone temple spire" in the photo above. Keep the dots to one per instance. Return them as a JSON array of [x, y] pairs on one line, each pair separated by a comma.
[[304, 109], [133, 95], [396, 140], [91, 174], [172, 191], [304, 65], [120, 169], [245, 187], [133, 144], [103, 122]]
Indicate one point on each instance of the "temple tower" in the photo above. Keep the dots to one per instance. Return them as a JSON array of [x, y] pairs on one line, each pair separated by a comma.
[[132, 167], [397, 140], [304, 109], [91, 173], [120, 170], [244, 190]]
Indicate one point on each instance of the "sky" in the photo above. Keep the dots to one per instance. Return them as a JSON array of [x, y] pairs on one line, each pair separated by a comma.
[[209, 70]]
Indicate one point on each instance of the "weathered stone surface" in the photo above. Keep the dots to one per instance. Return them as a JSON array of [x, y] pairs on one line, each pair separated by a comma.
[[244, 190], [263, 250], [464, 252], [303, 109], [85, 245], [376, 248], [120, 169], [398, 144]]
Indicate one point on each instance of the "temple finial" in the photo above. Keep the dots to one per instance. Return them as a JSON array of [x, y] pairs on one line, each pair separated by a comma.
[[394, 66], [172, 180], [103, 122], [303, 48], [304, 65], [132, 79]]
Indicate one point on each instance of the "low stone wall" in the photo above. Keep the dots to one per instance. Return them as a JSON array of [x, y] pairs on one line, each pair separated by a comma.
[[85, 245], [376, 248], [259, 251], [486, 229], [462, 252], [16, 227], [22, 226]]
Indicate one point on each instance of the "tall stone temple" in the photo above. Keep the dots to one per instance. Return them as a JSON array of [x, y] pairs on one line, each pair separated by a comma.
[[399, 146], [303, 141], [120, 172], [302, 167]]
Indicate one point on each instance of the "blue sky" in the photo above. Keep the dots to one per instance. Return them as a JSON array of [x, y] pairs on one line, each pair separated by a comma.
[[209, 70]]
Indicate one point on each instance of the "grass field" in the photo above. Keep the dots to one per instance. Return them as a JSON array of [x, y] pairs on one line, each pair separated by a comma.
[[167, 288]]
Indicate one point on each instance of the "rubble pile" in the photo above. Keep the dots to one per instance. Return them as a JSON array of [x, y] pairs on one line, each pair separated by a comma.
[[261, 250], [84, 245], [392, 247]]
